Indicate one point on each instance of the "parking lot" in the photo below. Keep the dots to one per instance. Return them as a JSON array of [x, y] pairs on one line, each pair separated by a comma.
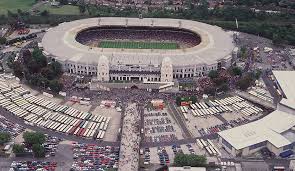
[[260, 91], [12, 128], [166, 154], [159, 126], [33, 165], [59, 114], [114, 124], [94, 157], [232, 115]]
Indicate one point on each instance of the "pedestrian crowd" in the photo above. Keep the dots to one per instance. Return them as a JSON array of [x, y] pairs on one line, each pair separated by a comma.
[[129, 150]]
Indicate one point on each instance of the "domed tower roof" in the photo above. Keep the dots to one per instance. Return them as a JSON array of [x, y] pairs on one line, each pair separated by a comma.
[[103, 60], [167, 61]]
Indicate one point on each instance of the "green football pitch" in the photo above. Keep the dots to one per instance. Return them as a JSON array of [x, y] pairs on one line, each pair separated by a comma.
[[137, 45]]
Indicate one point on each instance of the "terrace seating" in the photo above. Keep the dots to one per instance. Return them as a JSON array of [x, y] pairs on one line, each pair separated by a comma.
[[184, 39]]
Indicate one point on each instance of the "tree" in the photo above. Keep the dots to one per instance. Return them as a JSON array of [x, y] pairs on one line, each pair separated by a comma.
[[19, 12], [210, 90], [82, 8], [34, 138], [64, 2], [4, 138], [243, 52], [18, 69], [56, 68], [178, 100], [213, 74], [245, 82], [33, 67], [47, 73], [38, 80], [277, 39], [39, 58], [237, 71], [193, 99], [27, 56], [257, 74], [18, 149], [44, 13], [180, 160], [3, 40], [38, 150], [55, 85], [219, 81], [224, 87], [193, 160]]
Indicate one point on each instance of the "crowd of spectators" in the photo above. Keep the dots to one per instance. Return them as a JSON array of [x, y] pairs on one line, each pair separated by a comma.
[[184, 39], [68, 81], [205, 82], [129, 150]]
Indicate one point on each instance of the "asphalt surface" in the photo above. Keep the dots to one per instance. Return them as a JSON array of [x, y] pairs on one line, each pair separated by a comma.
[[179, 120], [63, 157]]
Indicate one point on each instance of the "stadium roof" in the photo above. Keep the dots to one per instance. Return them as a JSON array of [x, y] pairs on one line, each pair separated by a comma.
[[286, 80], [271, 127], [60, 43], [268, 129]]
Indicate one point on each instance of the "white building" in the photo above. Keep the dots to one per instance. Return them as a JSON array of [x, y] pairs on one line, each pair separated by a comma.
[[215, 51], [275, 131]]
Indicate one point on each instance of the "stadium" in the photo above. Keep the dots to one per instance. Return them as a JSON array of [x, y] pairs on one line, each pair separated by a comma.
[[149, 49]]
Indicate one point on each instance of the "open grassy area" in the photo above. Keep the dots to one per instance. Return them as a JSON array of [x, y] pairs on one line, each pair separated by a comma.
[[13, 5], [137, 45], [62, 10]]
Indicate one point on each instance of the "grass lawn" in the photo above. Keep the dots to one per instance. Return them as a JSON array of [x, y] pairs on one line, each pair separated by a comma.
[[137, 45], [13, 5], [62, 10]]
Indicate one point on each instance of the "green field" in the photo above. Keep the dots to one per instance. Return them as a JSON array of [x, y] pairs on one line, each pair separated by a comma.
[[137, 45], [62, 10], [13, 5]]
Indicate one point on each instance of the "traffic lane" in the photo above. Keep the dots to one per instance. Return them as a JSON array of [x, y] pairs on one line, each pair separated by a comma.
[[179, 120]]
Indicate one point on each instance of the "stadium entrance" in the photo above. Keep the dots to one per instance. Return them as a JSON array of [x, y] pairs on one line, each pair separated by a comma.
[[134, 79], [134, 87]]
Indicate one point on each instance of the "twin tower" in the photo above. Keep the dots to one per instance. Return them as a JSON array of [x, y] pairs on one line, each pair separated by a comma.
[[103, 70]]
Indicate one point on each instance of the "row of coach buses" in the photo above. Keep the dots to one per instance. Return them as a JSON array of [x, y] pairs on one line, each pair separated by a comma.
[[208, 146], [219, 106], [49, 115], [253, 110], [57, 108], [211, 111], [184, 111]]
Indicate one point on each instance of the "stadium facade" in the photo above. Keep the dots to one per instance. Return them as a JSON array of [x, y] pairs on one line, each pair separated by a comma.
[[215, 50]]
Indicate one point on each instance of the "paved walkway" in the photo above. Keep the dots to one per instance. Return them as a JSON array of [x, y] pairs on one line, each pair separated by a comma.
[[178, 117], [129, 150]]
